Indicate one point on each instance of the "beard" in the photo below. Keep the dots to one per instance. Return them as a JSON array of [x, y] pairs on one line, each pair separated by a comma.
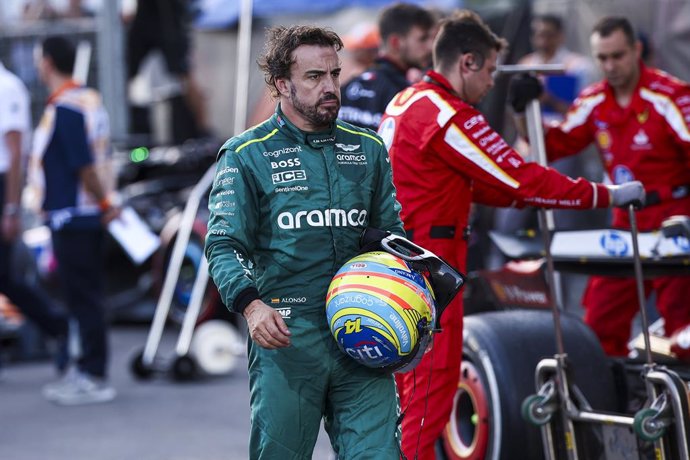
[[421, 63], [314, 114]]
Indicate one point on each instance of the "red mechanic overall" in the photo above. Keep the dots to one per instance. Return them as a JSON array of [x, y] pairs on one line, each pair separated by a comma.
[[444, 155], [647, 141]]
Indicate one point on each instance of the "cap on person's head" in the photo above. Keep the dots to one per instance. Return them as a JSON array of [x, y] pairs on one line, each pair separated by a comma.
[[361, 37]]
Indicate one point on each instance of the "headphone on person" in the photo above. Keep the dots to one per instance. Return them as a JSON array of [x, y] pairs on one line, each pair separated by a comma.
[[474, 62]]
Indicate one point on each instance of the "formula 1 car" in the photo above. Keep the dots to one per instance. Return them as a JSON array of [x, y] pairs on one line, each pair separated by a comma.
[[521, 394]]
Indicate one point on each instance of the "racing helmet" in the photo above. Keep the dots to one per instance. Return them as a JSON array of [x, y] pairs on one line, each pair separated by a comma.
[[381, 312]]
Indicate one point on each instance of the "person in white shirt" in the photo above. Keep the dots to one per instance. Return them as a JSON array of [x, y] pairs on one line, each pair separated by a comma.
[[15, 140], [548, 42]]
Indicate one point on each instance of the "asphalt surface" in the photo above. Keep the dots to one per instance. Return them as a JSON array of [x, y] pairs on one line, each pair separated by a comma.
[[160, 419]]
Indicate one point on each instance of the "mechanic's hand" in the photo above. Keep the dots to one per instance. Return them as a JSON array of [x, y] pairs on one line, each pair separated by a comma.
[[266, 327], [110, 215], [522, 89], [627, 194]]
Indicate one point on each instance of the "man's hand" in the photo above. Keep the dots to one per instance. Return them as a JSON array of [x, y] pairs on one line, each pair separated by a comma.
[[627, 194], [266, 326], [110, 214], [522, 89]]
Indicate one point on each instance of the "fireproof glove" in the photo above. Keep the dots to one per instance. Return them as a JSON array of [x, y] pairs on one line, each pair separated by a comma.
[[522, 89], [627, 194]]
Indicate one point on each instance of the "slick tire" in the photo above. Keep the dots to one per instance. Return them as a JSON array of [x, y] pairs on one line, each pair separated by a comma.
[[500, 353]]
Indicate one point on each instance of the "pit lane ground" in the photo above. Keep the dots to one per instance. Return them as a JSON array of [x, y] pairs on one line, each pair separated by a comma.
[[157, 420]]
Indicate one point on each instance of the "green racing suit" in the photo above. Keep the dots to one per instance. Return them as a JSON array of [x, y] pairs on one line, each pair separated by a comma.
[[287, 210]]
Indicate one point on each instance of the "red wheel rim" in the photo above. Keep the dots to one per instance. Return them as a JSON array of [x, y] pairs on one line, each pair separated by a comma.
[[466, 435]]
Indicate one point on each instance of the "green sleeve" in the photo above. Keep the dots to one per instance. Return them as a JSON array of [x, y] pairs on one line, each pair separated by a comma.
[[232, 227]]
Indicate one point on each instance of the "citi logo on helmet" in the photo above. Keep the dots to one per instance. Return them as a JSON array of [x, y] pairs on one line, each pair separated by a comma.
[[325, 218]]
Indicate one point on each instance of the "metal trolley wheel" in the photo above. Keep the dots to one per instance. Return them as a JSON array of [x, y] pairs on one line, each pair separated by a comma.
[[140, 370], [534, 410], [645, 426], [216, 347], [184, 369], [467, 432]]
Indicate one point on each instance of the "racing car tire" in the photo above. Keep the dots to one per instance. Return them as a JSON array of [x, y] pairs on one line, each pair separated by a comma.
[[500, 351]]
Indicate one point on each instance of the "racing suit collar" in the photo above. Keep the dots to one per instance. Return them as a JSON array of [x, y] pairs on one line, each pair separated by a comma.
[[315, 140], [437, 79]]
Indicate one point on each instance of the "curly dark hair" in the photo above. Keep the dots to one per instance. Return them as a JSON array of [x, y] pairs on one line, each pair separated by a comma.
[[281, 41]]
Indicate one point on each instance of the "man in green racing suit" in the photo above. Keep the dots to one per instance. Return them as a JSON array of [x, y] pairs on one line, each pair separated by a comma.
[[289, 201]]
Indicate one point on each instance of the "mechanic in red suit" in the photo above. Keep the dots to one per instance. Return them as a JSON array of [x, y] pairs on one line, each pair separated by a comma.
[[443, 155], [638, 117]]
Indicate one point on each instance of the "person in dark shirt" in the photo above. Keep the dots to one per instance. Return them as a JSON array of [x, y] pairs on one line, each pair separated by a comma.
[[406, 41], [165, 26], [70, 169]]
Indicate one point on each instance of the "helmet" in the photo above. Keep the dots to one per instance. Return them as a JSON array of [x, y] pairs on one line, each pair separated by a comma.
[[380, 311]]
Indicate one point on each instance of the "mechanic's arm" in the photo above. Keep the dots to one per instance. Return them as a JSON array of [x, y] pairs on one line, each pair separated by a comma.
[[563, 139], [11, 222], [680, 130], [523, 89], [232, 226], [92, 184], [480, 153]]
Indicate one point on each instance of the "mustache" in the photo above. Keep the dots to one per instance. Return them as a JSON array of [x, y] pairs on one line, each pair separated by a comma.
[[329, 97]]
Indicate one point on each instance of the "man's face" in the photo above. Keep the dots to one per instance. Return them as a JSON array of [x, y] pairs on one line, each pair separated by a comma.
[[478, 82], [416, 46], [617, 59], [546, 38], [312, 93]]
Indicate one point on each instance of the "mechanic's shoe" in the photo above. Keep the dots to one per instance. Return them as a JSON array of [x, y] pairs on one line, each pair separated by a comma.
[[77, 388], [51, 390]]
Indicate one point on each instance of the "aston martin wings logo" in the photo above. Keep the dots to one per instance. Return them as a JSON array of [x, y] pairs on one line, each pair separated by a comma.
[[347, 147]]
